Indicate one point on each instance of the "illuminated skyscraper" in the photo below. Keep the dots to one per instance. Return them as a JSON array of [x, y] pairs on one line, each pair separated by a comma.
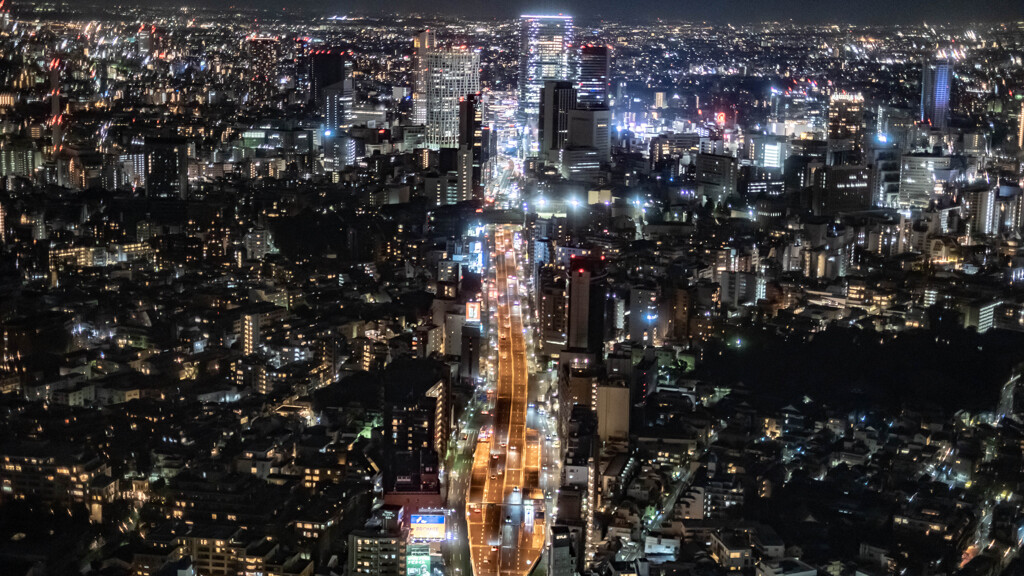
[[936, 81], [421, 43], [336, 104], [263, 56], [474, 146], [452, 75], [327, 67], [846, 117], [1020, 127], [545, 50], [845, 128], [339, 148], [595, 65]]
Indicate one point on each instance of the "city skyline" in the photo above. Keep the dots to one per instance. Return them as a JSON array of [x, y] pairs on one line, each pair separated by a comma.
[[285, 292], [867, 12]]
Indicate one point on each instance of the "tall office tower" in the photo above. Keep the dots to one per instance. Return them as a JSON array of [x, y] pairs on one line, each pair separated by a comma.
[[557, 99], [263, 55], [587, 145], [595, 73], [591, 129], [326, 68], [336, 106], [846, 123], [1020, 127], [474, 142], [545, 49], [339, 147], [421, 44], [587, 299], [166, 168], [452, 75], [936, 82]]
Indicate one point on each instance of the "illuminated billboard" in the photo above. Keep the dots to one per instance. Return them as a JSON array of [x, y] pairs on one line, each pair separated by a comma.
[[472, 311], [427, 527], [417, 560]]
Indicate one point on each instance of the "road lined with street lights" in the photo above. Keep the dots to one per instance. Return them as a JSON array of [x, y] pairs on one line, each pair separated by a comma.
[[505, 504]]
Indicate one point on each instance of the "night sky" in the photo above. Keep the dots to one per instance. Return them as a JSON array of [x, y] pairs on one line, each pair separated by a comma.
[[805, 11]]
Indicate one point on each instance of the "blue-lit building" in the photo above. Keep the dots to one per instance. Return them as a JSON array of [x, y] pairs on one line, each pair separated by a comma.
[[936, 82], [545, 51]]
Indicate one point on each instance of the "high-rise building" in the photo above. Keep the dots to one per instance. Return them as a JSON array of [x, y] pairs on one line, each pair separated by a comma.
[[717, 176], [611, 406], [166, 167], [845, 116], [545, 53], [469, 359], [595, 74], [586, 146], [263, 56], [336, 106], [452, 75], [841, 189], [979, 201], [421, 44], [591, 128], [326, 68], [885, 175], [443, 189], [250, 333], [587, 298], [1020, 127], [552, 311], [846, 122], [922, 177], [19, 158], [336, 110], [936, 83], [562, 553], [475, 142], [643, 315], [376, 553], [557, 99]]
